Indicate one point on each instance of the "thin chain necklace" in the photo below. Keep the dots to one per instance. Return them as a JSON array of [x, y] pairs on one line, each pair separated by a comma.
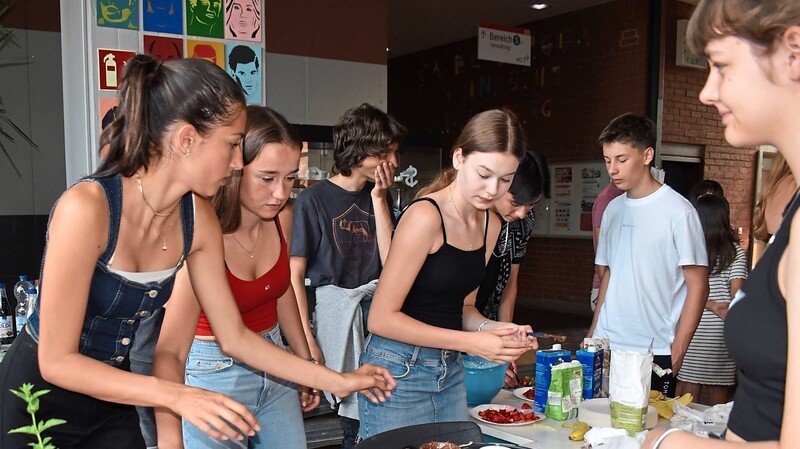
[[155, 212], [458, 212], [255, 243]]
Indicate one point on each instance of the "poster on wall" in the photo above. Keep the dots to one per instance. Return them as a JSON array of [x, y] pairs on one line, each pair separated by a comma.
[[111, 64], [210, 51], [590, 188], [163, 48], [245, 66], [106, 111], [204, 18], [118, 14], [243, 20], [574, 188], [163, 16]]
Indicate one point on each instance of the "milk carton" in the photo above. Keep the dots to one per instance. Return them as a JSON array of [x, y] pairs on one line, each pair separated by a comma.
[[545, 360], [591, 358]]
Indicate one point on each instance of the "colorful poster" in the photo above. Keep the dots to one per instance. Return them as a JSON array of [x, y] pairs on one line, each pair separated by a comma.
[[243, 20], [204, 18], [118, 14], [163, 16], [590, 177], [563, 182], [163, 48], [211, 51], [108, 110], [245, 66], [111, 64]]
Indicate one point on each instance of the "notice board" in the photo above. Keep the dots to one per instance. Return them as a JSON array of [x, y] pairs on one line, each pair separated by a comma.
[[573, 190]]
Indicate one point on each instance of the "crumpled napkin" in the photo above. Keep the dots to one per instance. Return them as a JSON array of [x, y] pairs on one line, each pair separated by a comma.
[[710, 420], [610, 438]]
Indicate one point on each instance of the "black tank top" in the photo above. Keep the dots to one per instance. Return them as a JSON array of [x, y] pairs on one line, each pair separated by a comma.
[[445, 279], [757, 339]]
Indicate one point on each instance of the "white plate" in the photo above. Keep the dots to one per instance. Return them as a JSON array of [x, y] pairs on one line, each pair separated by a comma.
[[518, 393], [475, 413]]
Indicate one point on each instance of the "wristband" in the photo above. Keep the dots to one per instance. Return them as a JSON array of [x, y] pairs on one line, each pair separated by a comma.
[[660, 439], [483, 323]]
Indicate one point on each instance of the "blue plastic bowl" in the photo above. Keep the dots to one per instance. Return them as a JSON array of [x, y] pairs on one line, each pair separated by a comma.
[[483, 378]]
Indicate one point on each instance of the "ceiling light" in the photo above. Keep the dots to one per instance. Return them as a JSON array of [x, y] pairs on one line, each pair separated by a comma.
[[538, 6]]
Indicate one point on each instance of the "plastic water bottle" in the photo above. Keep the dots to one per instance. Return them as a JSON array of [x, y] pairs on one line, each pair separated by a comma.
[[21, 288], [6, 319], [33, 296], [21, 311]]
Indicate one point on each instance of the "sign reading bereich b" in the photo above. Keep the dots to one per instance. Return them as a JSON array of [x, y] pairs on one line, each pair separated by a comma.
[[502, 43]]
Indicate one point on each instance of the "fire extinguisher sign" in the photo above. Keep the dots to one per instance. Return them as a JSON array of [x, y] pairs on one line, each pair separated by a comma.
[[111, 63]]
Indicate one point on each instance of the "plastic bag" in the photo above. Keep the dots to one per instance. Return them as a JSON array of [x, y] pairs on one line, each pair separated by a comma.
[[629, 389]]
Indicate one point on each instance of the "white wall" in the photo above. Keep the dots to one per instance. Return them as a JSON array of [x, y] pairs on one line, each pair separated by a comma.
[[30, 85]]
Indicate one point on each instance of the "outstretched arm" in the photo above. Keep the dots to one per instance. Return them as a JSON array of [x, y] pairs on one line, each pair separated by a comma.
[[697, 293]]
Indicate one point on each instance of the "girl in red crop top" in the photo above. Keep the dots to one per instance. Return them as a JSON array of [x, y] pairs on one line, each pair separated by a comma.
[[251, 210]]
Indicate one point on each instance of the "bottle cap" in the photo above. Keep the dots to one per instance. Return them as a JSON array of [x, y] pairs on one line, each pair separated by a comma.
[[22, 277], [557, 346]]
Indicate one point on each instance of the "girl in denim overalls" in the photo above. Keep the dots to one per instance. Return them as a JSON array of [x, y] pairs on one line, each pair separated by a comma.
[[420, 320], [115, 243]]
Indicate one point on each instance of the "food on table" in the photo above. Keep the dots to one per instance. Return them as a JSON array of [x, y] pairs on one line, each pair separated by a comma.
[[439, 445], [526, 381], [508, 416], [664, 405], [529, 393], [579, 429]]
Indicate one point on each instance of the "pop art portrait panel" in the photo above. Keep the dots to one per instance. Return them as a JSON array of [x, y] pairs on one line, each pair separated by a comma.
[[205, 18], [245, 65], [118, 14], [243, 20], [162, 16], [210, 51], [162, 48]]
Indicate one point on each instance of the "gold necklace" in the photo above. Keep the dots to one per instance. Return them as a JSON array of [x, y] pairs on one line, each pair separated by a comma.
[[155, 213], [458, 212], [152, 209], [255, 242]]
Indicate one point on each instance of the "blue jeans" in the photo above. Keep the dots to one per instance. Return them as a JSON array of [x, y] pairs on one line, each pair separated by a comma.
[[430, 387], [274, 402]]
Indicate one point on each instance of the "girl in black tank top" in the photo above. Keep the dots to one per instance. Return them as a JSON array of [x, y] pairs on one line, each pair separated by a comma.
[[753, 49], [423, 313]]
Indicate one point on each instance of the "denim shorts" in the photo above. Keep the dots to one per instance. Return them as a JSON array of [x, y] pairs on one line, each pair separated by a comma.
[[430, 387], [273, 401]]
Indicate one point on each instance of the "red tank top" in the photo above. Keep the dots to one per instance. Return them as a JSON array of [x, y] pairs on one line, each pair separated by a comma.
[[257, 299]]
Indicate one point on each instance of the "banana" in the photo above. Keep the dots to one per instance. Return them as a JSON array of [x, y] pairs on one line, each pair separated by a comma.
[[656, 395], [579, 430], [664, 407]]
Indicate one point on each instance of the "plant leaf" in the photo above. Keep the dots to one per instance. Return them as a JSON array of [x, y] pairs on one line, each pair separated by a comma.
[[33, 405], [30, 430], [44, 425], [39, 393]]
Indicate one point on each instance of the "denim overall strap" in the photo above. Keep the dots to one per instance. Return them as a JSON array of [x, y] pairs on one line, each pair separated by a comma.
[[112, 187], [187, 221]]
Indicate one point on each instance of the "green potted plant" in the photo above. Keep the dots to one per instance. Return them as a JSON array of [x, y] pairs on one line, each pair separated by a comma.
[[36, 429]]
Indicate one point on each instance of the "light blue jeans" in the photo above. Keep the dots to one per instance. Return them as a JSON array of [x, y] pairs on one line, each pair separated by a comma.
[[274, 402], [430, 387]]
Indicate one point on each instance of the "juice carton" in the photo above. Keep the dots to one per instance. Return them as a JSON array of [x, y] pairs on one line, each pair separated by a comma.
[[591, 358], [545, 360]]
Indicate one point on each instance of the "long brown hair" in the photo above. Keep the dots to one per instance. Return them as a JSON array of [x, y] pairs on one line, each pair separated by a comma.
[[264, 126], [761, 22], [492, 131], [153, 97], [778, 172]]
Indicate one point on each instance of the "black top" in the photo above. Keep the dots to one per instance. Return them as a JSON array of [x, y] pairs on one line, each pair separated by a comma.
[[334, 229], [509, 250], [757, 339], [445, 279]]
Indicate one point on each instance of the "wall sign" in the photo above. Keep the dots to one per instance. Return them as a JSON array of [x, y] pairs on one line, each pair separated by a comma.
[[684, 57], [111, 63], [502, 43]]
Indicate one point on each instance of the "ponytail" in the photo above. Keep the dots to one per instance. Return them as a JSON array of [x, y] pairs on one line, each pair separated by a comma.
[[153, 97]]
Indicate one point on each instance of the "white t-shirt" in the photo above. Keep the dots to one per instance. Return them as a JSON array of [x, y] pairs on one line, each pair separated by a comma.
[[645, 242]]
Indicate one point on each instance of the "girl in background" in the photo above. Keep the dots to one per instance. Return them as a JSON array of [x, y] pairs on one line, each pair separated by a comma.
[[707, 363], [420, 320], [753, 48]]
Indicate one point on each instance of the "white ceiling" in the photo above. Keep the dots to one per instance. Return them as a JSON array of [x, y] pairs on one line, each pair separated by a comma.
[[416, 25]]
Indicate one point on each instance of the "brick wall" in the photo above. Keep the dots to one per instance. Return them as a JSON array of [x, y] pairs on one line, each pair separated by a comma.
[[588, 67], [686, 120]]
